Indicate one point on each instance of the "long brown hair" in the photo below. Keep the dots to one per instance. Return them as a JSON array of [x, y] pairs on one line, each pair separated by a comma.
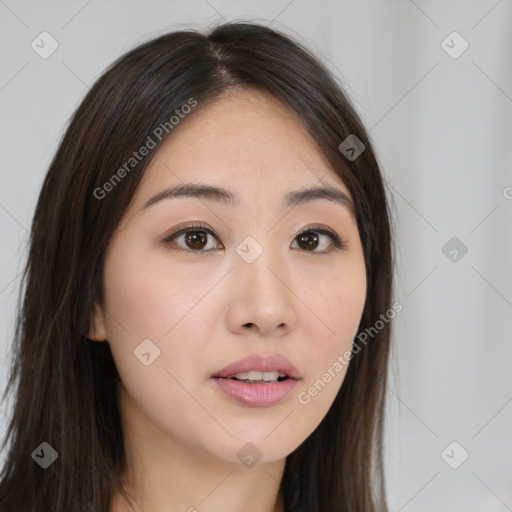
[[66, 387]]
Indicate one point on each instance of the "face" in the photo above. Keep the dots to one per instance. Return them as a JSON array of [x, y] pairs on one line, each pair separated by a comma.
[[194, 283]]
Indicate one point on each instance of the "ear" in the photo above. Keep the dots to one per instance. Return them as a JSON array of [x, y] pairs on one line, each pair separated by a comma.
[[97, 331]]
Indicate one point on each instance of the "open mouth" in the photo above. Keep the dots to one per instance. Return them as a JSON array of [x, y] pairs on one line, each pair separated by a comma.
[[257, 389], [259, 377]]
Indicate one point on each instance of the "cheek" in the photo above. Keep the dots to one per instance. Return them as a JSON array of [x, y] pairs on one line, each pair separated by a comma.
[[147, 298], [158, 303], [336, 309], [147, 295], [339, 304]]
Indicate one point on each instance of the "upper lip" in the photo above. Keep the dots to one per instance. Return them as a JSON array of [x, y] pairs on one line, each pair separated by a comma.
[[259, 363]]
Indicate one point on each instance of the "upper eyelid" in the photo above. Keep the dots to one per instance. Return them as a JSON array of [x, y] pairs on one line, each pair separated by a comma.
[[192, 227]]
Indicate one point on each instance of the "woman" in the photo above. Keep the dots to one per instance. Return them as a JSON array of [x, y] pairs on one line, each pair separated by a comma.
[[211, 236]]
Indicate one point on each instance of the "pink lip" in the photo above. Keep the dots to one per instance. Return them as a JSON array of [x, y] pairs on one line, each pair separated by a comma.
[[258, 395], [259, 363]]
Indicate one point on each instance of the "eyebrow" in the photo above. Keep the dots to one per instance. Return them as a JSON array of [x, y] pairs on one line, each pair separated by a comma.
[[219, 194]]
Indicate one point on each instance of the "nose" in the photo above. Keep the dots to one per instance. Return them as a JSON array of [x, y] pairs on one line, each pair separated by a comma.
[[261, 297]]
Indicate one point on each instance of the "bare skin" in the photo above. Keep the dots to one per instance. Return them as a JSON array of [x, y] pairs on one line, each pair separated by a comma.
[[182, 434]]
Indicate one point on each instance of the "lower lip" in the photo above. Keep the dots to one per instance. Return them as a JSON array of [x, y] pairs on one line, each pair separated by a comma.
[[256, 395]]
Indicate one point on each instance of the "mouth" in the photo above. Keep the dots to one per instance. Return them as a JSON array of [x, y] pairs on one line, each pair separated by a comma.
[[258, 381], [259, 368], [254, 377]]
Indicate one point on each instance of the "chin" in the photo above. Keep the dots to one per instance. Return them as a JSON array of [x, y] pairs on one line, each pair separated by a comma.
[[250, 450]]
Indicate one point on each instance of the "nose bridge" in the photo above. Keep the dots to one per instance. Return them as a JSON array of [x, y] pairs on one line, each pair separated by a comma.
[[260, 274], [259, 263]]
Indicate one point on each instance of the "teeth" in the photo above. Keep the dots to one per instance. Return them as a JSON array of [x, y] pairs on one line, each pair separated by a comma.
[[265, 376]]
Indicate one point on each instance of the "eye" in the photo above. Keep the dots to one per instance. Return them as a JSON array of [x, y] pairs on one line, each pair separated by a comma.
[[195, 239], [310, 240]]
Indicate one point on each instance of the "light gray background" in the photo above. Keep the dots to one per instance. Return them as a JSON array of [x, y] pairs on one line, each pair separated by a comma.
[[443, 132]]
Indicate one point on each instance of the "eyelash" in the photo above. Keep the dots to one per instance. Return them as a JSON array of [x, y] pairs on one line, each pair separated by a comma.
[[337, 242]]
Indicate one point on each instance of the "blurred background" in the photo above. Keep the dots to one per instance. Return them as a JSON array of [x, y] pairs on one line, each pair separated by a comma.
[[432, 81]]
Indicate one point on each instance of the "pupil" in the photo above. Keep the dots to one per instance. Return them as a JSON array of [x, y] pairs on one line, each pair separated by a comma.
[[194, 241], [309, 238]]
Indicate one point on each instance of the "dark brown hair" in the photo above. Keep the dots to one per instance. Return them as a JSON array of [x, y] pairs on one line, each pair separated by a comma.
[[66, 386]]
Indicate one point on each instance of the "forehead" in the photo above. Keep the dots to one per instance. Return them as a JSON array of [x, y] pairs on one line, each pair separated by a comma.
[[246, 141]]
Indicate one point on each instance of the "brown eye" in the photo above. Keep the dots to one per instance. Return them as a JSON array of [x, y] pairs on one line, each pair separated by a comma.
[[196, 240], [308, 241], [192, 239], [311, 240], [199, 239]]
